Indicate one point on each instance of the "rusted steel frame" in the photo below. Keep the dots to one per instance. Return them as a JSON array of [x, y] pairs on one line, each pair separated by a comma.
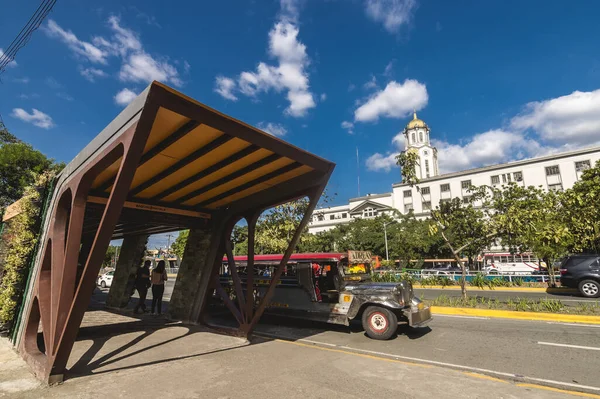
[[235, 277], [230, 305], [251, 220], [216, 120], [314, 196], [132, 142]]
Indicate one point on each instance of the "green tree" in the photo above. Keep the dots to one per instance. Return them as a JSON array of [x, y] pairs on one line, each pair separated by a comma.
[[178, 246], [110, 257], [20, 163], [465, 228]]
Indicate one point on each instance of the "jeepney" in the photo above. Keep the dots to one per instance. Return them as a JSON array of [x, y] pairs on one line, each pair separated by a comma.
[[334, 288]]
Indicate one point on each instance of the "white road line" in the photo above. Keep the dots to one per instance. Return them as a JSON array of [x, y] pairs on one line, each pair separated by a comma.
[[589, 348], [462, 317], [444, 364], [574, 324]]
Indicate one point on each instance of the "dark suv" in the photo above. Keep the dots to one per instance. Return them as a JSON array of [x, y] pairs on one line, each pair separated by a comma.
[[581, 272]]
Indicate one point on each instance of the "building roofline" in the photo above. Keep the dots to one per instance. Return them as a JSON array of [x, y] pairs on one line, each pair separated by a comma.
[[369, 197], [506, 165]]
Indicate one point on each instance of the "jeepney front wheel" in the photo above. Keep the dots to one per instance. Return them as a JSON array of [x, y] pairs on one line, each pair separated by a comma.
[[379, 323]]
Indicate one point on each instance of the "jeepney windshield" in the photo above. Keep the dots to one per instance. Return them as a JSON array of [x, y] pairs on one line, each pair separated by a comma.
[[356, 268]]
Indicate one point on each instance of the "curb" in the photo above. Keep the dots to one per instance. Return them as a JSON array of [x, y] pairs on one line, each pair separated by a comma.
[[510, 314], [500, 289]]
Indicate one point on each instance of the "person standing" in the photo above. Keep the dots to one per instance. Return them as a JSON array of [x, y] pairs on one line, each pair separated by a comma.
[[159, 276], [142, 283]]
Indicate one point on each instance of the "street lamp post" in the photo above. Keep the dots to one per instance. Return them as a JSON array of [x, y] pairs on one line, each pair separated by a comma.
[[387, 255]]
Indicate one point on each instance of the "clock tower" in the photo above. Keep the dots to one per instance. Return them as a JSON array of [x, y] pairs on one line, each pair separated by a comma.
[[416, 136]]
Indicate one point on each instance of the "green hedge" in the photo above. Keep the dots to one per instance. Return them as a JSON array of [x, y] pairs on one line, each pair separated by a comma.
[[20, 237]]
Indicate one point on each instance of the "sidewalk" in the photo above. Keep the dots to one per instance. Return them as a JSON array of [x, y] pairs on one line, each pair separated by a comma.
[[149, 358]]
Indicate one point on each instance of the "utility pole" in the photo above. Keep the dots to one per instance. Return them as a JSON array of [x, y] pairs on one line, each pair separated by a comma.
[[385, 225], [169, 242]]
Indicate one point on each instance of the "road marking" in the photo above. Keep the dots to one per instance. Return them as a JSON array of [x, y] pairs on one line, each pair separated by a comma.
[[413, 361], [536, 386], [463, 317], [483, 376], [574, 324], [590, 348]]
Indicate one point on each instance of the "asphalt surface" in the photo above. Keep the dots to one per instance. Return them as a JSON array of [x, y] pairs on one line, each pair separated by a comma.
[[556, 354], [565, 354], [503, 296]]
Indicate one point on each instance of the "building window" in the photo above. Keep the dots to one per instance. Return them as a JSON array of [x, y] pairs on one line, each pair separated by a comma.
[[320, 218], [518, 176], [465, 184], [413, 138], [503, 178], [582, 165], [425, 152], [466, 199], [407, 193], [408, 207], [344, 215], [426, 205], [555, 187], [421, 137], [445, 187], [427, 167], [552, 170], [369, 212], [496, 179], [425, 191], [331, 217]]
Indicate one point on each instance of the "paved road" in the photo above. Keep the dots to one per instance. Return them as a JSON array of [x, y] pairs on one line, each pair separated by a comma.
[[567, 300], [567, 354]]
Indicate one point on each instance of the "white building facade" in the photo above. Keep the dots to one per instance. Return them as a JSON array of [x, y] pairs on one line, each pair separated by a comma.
[[553, 172]]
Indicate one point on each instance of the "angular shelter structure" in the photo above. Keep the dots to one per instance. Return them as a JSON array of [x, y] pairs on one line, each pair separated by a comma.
[[165, 163]]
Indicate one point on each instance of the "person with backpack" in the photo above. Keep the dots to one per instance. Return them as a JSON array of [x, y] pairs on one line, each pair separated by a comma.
[[142, 283], [158, 278]]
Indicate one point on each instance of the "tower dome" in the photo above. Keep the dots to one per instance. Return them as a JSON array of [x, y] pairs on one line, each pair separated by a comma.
[[416, 122]]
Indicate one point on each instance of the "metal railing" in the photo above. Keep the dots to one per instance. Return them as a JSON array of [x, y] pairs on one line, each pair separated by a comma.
[[456, 276]]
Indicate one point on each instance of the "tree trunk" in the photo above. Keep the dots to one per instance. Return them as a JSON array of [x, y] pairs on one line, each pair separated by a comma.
[[463, 280], [551, 277]]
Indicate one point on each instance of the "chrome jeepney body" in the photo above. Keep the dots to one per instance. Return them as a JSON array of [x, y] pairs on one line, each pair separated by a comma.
[[334, 291]]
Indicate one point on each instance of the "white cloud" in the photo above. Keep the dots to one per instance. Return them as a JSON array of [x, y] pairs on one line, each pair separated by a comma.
[[289, 74], [11, 64], [574, 118], [371, 84], [137, 65], [389, 69], [37, 118], [79, 47], [349, 126], [488, 148], [385, 162], [53, 83], [23, 80], [92, 73], [392, 13], [143, 68], [64, 96], [395, 101], [378, 162], [323, 97], [275, 129], [125, 96], [225, 86], [28, 96], [351, 87]]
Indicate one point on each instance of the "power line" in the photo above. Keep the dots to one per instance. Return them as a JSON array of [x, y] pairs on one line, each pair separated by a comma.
[[25, 34]]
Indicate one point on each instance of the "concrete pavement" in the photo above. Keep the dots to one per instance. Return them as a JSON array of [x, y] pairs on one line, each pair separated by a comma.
[[182, 362]]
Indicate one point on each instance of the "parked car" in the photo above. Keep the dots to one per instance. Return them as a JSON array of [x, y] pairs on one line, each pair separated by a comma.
[[106, 279], [442, 269], [582, 272]]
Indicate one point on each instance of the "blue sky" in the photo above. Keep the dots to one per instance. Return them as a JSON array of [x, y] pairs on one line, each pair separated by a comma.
[[495, 80]]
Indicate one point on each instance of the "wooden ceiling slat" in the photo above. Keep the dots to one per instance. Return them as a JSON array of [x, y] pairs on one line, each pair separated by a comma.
[[231, 176], [181, 164], [211, 169], [251, 183]]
